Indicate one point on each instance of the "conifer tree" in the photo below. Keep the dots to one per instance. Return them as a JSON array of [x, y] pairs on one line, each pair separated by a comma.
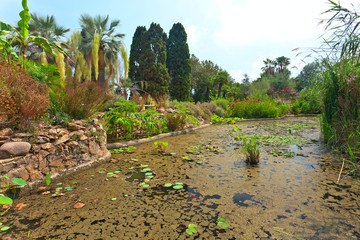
[[135, 54], [178, 63], [152, 69]]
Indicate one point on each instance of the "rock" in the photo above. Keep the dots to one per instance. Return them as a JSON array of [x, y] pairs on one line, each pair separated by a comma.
[[2, 138], [62, 131], [47, 146], [161, 110], [93, 147], [56, 163], [72, 144], [6, 132], [36, 148], [14, 149], [63, 139], [75, 127], [23, 135], [35, 174], [16, 140], [19, 173]]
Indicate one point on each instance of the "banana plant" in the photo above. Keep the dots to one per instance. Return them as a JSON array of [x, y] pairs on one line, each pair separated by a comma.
[[22, 36]]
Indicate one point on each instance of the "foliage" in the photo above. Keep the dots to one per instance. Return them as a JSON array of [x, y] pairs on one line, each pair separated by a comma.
[[125, 149], [308, 76], [123, 121], [191, 229], [24, 99], [150, 67], [255, 108], [21, 35], [179, 118], [98, 33], [178, 63], [48, 179], [80, 100], [135, 54], [222, 222], [202, 78], [307, 103], [219, 120], [221, 78], [160, 146], [250, 147]]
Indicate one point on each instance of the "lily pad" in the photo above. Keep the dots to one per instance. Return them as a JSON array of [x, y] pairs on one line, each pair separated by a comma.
[[19, 181], [5, 228], [113, 199], [5, 200], [167, 184], [148, 174], [178, 183], [101, 171], [178, 187]]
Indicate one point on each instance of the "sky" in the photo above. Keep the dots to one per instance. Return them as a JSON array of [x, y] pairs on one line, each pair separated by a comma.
[[237, 35]]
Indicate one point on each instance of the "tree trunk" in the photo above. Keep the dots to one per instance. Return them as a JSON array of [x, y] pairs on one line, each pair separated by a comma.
[[207, 93], [101, 78], [219, 91]]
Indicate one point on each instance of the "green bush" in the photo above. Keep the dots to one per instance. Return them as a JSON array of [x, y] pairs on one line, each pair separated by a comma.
[[178, 119], [219, 111], [255, 108], [306, 103], [222, 102], [124, 122]]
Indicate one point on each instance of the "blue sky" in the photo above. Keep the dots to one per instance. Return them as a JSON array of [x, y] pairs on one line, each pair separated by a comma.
[[235, 34]]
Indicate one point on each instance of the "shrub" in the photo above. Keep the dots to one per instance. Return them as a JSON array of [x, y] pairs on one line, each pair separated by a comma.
[[222, 102], [219, 111], [306, 103], [123, 121], [24, 99], [178, 119], [255, 108], [80, 100]]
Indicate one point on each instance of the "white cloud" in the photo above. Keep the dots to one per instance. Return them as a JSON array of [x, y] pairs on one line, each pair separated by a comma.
[[194, 35], [261, 21], [237, 74]]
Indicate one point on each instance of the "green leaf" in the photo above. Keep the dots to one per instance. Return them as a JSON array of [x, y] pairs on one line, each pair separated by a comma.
[[148, 174], [191, 225], [5, 200], [48, 179], [167, 185], [113, 199], [189, 231], [5, 228], [222, 219], [6, 27], [178, 187], [179, 183], [19, 181]]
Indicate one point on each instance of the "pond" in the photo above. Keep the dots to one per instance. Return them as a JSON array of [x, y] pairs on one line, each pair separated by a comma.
[[291, 194]]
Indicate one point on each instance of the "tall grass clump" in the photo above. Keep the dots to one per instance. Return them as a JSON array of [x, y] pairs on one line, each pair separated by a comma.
[[340, 82], [256, 108]]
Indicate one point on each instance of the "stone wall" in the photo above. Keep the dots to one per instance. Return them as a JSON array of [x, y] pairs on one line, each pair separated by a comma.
[[53, 149]]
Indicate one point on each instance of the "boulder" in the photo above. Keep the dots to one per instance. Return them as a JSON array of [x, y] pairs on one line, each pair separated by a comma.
[[6, 132], [75, 127], [9, 149]]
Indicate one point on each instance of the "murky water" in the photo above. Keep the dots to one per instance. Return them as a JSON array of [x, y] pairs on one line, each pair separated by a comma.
[[281, 198]]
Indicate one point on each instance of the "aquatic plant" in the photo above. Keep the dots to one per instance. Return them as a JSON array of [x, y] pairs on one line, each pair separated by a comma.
[[125, 149], [178, 119], [48, 179], [191, 229], [160, 146], [251, 150], [222, 222]]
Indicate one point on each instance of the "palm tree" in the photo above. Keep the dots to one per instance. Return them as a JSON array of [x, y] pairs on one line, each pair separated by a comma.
[[270, 66], [45, 27], [222, 78], [109, 46], [282, 63]]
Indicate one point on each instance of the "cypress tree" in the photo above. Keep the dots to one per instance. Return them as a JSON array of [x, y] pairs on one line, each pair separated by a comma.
[[152, 68], [135, 54], [178, 63]]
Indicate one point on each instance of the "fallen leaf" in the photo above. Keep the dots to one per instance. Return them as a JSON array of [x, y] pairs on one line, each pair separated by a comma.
[[45, 193], [6, 206], [20, 206], [113, 161], [72, 195], [79, 205], [96, 201], [41, 189]]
